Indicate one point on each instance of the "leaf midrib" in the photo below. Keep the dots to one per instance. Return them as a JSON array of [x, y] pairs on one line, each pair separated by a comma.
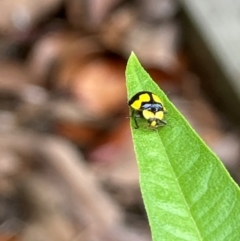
[[182, 194]]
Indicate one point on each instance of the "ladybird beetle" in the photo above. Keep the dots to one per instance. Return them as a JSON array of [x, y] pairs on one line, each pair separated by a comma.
[[147, 105]]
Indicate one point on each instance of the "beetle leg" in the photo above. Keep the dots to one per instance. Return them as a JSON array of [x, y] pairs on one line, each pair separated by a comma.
[[135, 115], [163, 122]]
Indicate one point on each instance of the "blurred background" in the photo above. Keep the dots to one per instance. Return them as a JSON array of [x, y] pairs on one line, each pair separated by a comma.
[[67, 167]]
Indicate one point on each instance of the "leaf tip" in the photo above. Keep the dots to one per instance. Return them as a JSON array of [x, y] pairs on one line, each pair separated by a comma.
[[132, 56], [132, 60]]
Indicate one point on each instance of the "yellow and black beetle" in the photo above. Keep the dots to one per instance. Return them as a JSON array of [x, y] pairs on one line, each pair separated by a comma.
[[149, 106]]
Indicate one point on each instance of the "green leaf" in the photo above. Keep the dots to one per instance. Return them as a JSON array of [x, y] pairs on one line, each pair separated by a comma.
[[187, 192]]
